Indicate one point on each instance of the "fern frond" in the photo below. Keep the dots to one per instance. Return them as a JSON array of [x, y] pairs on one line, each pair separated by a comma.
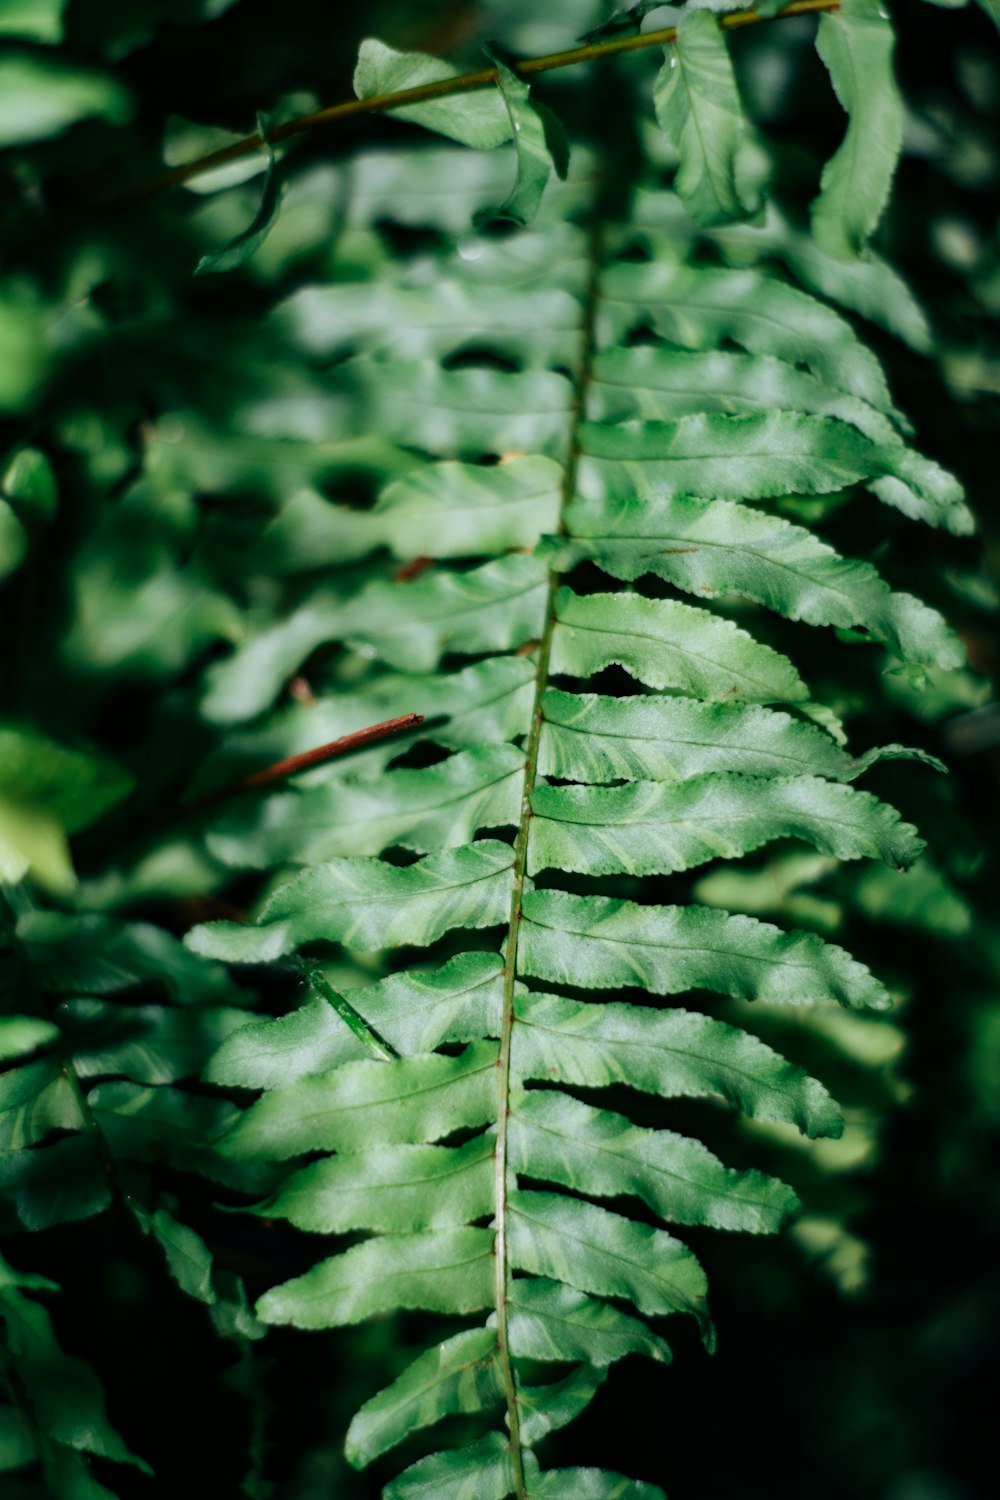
[[565, 414]]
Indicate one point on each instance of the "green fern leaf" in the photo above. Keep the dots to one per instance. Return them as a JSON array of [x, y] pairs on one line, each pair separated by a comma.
[[666, 644], [592, 1484], [539, 143], [546, 1408], [478, 119], [698, 107], [459, 1375], [488, 609], [399, 1189], [675, 1054], [709, 547], [461, 888], [542, 411], [414, 1012], [651, 828], [697, 309], [569, 1240], [426, 1097], [857, 45], [601, 942], [555, 1138], [551, 1321], [589, 738], [653, 382], [436, 808], [450, 1270], [483, 1471]]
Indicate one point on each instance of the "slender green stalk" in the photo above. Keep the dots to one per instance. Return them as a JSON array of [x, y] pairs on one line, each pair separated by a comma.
[[366, 1036], [482, 78], [500, 1252]]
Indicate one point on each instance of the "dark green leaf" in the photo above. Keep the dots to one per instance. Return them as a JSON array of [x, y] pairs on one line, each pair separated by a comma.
[[246, 244], [534, 140]]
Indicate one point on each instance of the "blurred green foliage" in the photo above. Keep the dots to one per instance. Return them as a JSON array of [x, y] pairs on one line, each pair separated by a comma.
[[169, 448]]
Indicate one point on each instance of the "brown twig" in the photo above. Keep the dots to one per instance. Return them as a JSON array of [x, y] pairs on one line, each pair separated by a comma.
[[175, 176], [282, 769]]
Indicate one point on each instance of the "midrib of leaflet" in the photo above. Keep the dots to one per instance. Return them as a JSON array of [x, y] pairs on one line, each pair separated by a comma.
[[500, 1253]]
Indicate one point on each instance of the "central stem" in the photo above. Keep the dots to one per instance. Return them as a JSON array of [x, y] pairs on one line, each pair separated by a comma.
[[502, 1269]]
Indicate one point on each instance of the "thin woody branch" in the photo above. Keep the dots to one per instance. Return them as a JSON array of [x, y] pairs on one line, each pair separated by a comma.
[[482, 78], [282, 769]]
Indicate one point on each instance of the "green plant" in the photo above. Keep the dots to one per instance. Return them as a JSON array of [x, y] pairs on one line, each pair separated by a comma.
[[565, 468]]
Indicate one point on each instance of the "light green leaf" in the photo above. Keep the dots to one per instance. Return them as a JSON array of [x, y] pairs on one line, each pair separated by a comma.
[[33, 840], [550, 1321], [491, 608], [77, 787], [666, 644], [723, 457], [539, 143], [476, 118], [556, 1138], [592, 1484], [395, 1188], [435, 808], [483, 1471], [366, 904], [458, 1375], [38, 20], [698, 107], [533, 327], [42, 97], [20, 1035], [589, 738], [651, 381], [708, 547], [699, 308], [468, 510], [414, 1011], [450, 1271], [602, 942], [856, 44], [673, 1053], [655, 828], [546, 1408], [411, 1099], [596, 1251]]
